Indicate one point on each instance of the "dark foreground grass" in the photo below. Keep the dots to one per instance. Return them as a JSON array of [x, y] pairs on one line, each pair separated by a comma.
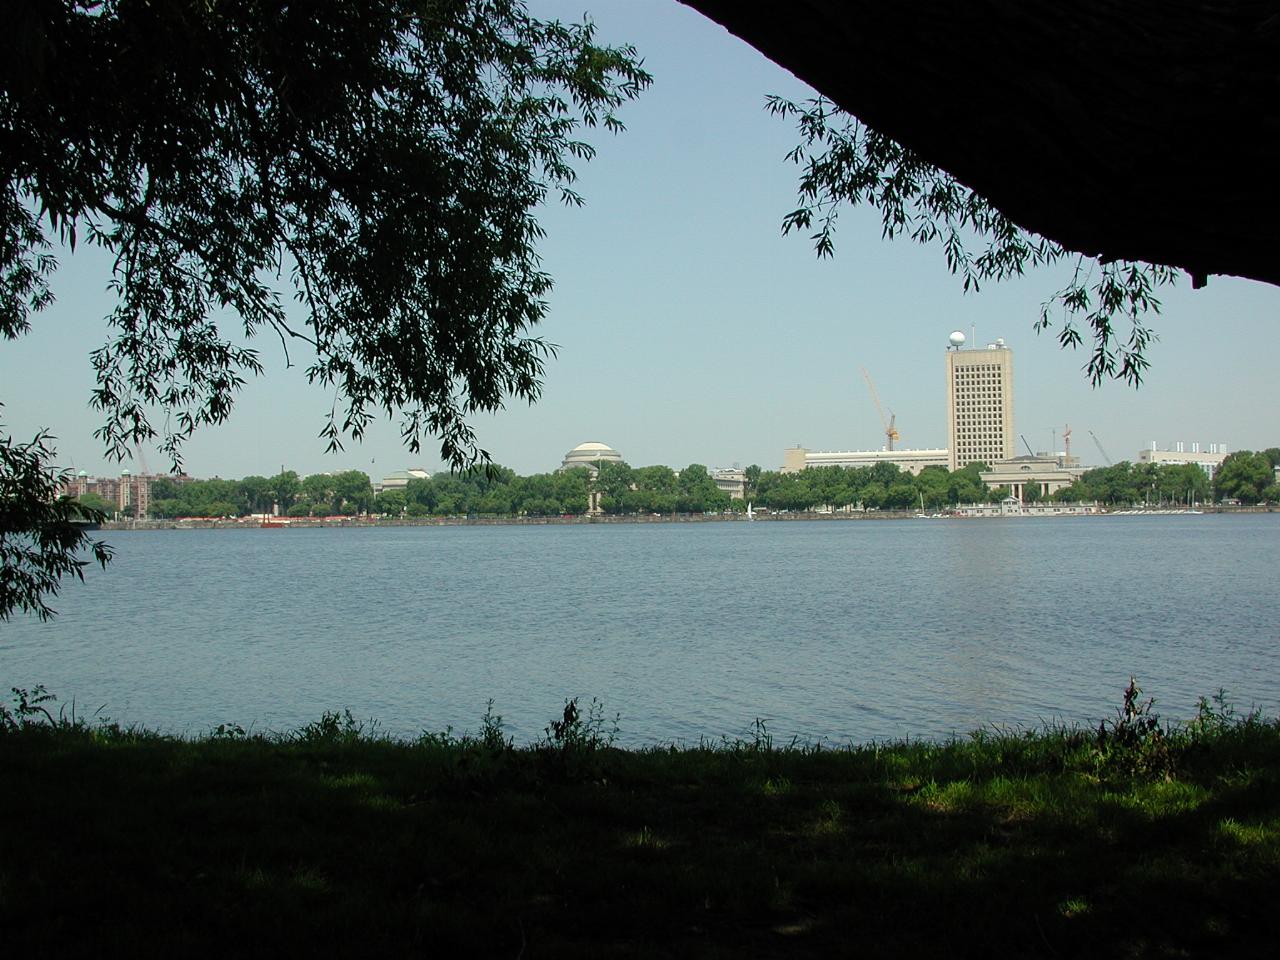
[[330, 842]]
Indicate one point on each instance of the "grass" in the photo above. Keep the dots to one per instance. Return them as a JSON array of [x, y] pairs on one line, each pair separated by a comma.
[[1132, 842]]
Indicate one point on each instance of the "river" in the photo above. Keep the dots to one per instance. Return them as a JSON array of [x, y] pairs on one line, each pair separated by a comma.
[[832, 631]]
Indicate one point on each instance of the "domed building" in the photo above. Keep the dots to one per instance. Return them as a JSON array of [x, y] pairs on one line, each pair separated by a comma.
[[399, 480], [590, 455]]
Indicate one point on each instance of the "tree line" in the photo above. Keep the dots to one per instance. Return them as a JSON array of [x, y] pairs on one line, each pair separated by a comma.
[[492, 491], [621, 489], [884, 486], [626, 490], [1245, 476], [322, 494]]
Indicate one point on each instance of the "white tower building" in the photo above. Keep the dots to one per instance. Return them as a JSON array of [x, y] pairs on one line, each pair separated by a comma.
[[979, 403]]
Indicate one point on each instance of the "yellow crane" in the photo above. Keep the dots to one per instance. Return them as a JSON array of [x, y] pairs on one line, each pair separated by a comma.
[[890, 430]]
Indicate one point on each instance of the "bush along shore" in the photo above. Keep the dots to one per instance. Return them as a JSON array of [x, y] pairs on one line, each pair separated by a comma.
[[1135, 839]]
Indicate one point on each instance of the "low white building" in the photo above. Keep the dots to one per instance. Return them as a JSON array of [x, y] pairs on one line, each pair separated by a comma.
[[399, 479], [1013, 507], [796, 459], [1208, 460]]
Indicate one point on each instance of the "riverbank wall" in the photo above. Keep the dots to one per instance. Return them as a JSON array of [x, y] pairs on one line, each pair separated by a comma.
[[307, 523]]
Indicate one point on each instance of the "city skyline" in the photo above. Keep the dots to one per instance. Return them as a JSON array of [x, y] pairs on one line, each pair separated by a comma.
[[692, 331]]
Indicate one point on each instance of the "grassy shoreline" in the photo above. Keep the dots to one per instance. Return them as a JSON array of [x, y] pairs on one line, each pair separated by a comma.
[[1144, 841]]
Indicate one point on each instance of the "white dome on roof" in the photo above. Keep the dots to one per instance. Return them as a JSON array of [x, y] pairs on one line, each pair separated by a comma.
[[589, 454]]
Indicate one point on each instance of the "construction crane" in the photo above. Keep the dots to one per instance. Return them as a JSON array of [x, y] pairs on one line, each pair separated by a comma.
[[1098, 443], [142, 461], [890, 430]]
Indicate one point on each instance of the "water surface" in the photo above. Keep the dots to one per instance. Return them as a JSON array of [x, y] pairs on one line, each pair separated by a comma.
[[827, 630]]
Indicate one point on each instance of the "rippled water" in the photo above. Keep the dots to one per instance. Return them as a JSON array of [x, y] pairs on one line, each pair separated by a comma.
[[827, 630]]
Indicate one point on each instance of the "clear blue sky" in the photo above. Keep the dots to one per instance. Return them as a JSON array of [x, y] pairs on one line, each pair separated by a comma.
[[690, 330]]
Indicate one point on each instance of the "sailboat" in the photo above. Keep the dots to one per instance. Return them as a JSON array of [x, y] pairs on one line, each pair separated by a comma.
[[750, 513]]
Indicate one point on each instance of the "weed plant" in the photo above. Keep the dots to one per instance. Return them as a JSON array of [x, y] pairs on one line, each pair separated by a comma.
[[1135, 839]]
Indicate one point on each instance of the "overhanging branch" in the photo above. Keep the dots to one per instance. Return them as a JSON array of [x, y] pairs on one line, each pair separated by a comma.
[[1125, 129]]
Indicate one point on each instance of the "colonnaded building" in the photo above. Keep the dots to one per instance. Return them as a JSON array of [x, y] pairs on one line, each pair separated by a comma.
[[1047, 473]]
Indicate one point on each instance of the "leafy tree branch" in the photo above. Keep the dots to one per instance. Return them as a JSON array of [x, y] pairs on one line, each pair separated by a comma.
[[42, 534], [846, 163], [379, 161]]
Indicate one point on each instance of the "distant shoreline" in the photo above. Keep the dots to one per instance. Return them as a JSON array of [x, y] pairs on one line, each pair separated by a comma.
[[309, 523]]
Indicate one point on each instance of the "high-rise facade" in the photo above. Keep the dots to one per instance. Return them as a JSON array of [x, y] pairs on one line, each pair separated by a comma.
[[979, 403]]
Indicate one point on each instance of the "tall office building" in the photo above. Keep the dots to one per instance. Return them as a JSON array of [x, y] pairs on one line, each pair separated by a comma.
[[979, 403]]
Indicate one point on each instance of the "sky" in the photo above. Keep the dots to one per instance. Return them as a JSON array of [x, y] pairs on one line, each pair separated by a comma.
[[690, 330]]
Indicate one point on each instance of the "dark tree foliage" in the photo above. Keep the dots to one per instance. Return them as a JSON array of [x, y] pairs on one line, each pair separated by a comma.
[[844, 162], [1244, 476], [41, 533], [379, 160], [882, 486], [1140, 484], [383, 158]]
